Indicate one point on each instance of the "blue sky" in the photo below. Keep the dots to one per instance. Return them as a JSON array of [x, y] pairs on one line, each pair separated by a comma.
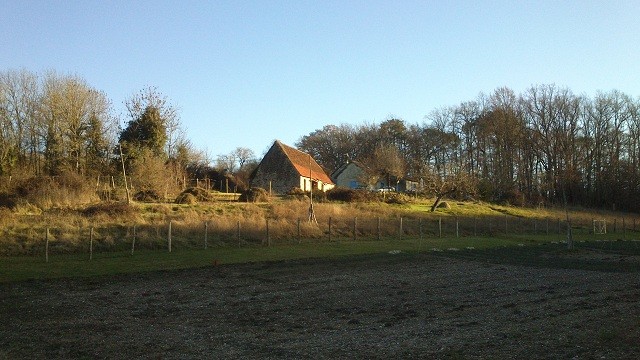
[[244, 73]]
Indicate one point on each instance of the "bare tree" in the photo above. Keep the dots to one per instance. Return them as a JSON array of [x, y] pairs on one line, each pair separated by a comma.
[[243, 156], [386, 162], [460, 184]]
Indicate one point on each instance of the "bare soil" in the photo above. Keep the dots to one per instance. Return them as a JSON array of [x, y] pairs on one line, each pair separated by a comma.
[[379, 306]]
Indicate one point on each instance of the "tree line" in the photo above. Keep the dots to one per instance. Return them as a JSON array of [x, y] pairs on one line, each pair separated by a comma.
[[546, 145], [58, 125]]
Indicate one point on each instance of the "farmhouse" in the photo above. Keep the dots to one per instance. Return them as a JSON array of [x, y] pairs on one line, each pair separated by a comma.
[[352, 174], [284, 168], [349, 175]]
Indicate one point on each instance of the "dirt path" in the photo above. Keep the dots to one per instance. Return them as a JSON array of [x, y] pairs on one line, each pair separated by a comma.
[[382, 306]]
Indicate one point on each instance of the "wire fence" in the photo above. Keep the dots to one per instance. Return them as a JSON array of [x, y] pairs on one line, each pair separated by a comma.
[[227, 232]]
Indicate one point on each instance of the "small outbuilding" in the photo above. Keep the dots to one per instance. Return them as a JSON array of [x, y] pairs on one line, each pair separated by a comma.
[[284, 168]]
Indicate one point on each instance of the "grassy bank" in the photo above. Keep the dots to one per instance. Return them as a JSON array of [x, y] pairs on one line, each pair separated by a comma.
[[115, 227], [279, 230], [17, 268]]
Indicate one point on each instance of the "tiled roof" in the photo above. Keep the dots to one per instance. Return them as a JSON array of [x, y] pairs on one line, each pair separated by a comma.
[[305, 164]]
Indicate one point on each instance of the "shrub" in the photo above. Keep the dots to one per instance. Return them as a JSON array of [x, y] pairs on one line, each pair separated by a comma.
[[297, 194], [6, 216], [112, 209], [186, 198], [255, 194], [199, 193], [397, 198], [69, 188], [193, 195], [72, 181], [146, 196], [8, 201], [513, 197], [319, 196], [349, 195]]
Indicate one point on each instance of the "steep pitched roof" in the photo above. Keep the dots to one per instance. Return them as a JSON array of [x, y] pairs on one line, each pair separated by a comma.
[[304, 163], [344, 166]]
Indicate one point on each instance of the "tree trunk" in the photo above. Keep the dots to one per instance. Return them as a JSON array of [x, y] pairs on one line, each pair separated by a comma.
[[439, 198]]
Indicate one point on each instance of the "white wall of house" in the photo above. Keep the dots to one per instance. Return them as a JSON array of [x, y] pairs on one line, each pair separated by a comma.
[[306, 183], [326, 187]]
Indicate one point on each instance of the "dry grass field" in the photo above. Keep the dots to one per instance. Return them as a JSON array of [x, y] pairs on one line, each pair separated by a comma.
[[115, 225]]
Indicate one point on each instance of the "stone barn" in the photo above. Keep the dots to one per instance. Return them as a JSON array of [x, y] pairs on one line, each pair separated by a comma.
[[284, 168]]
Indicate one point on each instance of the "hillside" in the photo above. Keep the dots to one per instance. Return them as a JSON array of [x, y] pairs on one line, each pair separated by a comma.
[[113, 226]]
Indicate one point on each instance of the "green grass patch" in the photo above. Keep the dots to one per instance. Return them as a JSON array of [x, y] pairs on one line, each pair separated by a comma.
[[109, 263], [20, 268]]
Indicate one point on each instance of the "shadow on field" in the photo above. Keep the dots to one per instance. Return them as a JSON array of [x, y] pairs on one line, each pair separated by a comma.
[[608, 256]]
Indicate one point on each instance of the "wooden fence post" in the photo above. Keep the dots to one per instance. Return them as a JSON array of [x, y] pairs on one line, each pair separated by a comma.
[[475, 226], [238, 233], [169, 236], [206, 234], [46, 247], [547, 222], [439, 227], [355, 224], [420, 232], [506, 224], [133, 243], [91, 243], [457, 228], [378, 229], [400, 234]]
